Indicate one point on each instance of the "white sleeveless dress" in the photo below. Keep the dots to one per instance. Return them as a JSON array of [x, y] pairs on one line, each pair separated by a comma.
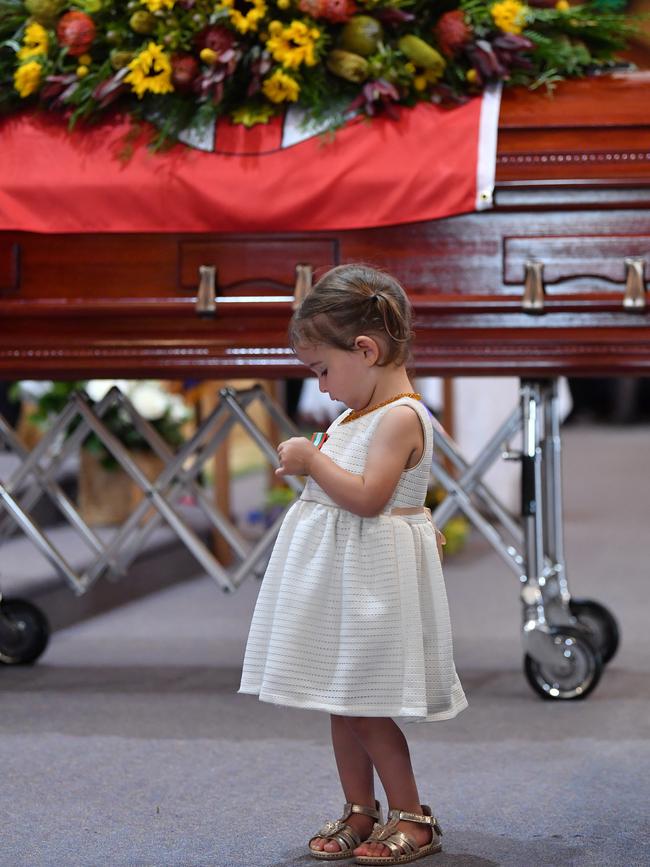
[[352, 615]]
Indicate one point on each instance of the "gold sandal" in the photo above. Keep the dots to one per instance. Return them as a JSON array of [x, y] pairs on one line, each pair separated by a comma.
[[402, 846], [347, 838]]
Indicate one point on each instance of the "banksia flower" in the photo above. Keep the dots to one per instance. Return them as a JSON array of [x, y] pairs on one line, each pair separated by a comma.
[[218, 39], [336, 11], [452, 32], [76, 31], [184, 70]]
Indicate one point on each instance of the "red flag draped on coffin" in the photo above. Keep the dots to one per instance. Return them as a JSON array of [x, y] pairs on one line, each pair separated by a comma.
[[424, 166]]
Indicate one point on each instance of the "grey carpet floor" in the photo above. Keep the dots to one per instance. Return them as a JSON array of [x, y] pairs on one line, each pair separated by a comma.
[[127, 744]]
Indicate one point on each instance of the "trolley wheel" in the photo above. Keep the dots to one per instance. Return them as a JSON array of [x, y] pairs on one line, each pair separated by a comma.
[[24, 632], [575, 673], [600, 623]]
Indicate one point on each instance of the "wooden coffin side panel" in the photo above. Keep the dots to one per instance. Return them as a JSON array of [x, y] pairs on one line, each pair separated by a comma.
[[573, 193], [482, 257], [464, 275], [125, 268], [9, 266], [477, 257], [446, 345], [248, 266]]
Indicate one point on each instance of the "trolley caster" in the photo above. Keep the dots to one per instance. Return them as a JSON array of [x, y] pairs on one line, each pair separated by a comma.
[[600, 623], [571, 667], [24, 632]]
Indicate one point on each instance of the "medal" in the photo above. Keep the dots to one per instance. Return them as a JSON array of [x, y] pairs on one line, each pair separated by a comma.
[[319, 439]]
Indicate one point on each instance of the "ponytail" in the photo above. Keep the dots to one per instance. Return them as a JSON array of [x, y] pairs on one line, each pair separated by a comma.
[[350, 300]]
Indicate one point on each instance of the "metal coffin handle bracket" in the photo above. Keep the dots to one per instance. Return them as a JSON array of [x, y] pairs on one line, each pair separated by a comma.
[[304, 279], [533, 298], [634, 297], [206, 300]]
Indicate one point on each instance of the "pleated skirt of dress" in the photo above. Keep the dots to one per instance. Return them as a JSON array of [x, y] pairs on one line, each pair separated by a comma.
[[352, 619]]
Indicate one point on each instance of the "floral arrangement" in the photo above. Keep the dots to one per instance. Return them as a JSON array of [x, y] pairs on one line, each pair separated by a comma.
[[182, 63], [166, 412]]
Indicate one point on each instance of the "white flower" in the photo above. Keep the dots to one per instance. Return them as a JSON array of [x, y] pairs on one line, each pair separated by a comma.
[[34, 389], [179, 411], [149, 399], [96, 389]]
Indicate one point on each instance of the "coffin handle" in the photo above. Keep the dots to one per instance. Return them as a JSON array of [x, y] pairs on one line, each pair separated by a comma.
[[206, 301], [634, 297], [304, 278], [533, 298]]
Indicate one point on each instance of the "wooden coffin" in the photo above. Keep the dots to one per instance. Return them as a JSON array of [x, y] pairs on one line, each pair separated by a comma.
[[571, 220]]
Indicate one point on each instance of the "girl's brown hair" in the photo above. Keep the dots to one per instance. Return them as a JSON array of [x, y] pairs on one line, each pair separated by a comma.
[[350, 300]]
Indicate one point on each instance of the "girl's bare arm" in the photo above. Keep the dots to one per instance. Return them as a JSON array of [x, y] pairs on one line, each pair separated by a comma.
[[398, 434]]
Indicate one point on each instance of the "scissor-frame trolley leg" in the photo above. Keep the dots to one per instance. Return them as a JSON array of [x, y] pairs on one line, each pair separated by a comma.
[[23, 628], [566, 641]]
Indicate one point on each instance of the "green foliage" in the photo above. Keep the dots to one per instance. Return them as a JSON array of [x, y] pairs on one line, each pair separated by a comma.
[[233, 77], [605, 31]]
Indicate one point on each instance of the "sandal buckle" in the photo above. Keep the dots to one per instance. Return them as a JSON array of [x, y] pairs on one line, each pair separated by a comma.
[[331, 828]]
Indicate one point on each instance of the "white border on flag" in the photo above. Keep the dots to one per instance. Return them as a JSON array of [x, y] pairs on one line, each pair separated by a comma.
[[487, 146]]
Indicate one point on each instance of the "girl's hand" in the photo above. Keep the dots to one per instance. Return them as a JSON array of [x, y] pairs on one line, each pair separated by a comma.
[[295, 456]]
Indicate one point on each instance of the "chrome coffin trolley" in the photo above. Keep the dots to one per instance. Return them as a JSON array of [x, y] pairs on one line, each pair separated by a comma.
[[566, 641]]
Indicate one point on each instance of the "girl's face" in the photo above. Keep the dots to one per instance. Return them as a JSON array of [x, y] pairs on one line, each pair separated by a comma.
[[346, 375]]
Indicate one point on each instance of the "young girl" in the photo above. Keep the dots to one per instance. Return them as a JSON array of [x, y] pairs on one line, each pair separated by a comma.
[[352, 615]]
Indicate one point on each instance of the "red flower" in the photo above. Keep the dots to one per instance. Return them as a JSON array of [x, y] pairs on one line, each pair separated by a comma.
[[184, 70], [216, 38], [76, 32], [336, 11], [452, 32]]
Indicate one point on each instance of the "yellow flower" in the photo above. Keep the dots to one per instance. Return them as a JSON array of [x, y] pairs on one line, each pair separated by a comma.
[[280, 87], [208, 56], [27, 78], [82, 71], [249, 115], [293, 45], [509, 15], [419, 82], [562, 5], [151, 70], [157, 5], [472, 76], [284, 4], [243, 22], [35, 42], [86, 59]]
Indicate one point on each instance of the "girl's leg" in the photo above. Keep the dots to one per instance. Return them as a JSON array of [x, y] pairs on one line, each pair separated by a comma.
[[356, 774], [385, 744]]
